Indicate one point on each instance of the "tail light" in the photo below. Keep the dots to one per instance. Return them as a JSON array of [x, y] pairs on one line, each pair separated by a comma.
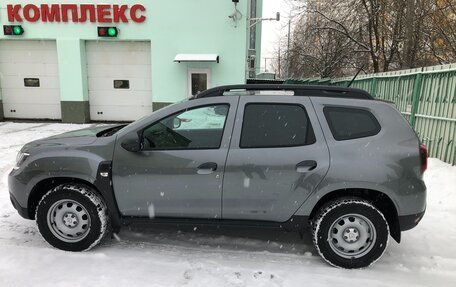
[[423, 157]]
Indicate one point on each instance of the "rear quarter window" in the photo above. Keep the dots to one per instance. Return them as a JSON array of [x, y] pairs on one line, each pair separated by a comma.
[[351, 123]]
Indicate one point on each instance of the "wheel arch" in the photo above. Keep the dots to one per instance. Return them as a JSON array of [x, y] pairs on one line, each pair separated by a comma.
[[45, 185], [101, 185], [379, 199]]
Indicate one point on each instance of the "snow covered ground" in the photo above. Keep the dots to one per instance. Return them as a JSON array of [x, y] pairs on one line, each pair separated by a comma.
[[188, 257]]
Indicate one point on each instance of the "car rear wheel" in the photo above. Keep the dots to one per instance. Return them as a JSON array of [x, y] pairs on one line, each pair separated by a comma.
[[350, 233], [72, 217]]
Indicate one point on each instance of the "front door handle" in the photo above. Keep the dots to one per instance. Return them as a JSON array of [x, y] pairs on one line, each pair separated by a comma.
[[306, 166], [207, 168]]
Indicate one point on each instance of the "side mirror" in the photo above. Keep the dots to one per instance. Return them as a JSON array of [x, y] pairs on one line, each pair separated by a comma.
[[177, 123], [132, 144]]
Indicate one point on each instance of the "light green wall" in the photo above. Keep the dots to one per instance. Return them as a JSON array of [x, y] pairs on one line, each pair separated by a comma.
[[73, 70], [172, 27]]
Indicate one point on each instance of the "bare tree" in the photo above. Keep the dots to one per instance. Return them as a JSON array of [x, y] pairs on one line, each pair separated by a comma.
[[333, 37], [317, 51], [440, 30]]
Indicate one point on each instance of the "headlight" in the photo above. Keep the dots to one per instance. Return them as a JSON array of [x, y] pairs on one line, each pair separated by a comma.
[[20, 158]]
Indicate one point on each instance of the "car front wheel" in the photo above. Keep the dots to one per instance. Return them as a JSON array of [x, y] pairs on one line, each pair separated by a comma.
[[72, 217], [350, 233]]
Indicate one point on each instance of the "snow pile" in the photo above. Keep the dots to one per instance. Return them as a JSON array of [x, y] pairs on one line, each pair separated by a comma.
[[212, 257]]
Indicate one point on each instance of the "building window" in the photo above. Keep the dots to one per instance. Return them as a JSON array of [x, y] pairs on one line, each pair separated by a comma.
[[198, 81], [121, 84], [32, 82]]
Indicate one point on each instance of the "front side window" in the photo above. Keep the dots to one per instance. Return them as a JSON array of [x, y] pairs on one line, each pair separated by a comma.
[[275, 125], [351, 123], [198, 128]]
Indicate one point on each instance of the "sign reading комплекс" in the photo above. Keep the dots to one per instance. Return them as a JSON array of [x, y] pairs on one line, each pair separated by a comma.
[[99, 13]]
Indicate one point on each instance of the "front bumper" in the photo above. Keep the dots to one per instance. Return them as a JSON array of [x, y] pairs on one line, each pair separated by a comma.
[[21, 210], [18, 193], [410, 221]]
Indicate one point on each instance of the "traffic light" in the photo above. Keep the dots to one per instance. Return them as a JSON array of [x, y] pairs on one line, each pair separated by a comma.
[[13, 30], [110, 32]]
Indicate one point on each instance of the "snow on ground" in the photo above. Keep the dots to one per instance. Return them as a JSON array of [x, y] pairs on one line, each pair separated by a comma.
[[232, 257]]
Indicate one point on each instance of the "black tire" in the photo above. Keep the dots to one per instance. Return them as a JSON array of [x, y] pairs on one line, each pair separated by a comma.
[[82, 199], [340, 246]]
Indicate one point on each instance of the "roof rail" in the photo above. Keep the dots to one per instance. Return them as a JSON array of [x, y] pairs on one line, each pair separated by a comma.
[[299, 90]]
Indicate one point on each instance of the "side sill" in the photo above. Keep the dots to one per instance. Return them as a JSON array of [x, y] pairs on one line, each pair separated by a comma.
[[296, 223]]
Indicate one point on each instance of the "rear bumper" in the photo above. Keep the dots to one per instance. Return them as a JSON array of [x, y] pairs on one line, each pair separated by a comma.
[[21, 210], [410, 221]]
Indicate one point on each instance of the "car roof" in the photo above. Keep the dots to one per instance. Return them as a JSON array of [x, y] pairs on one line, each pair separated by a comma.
[[299, 90]]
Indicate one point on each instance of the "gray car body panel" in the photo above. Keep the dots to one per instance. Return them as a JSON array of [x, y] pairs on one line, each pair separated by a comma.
[[263, 183], [387, 162], [166, 183], [70, 155]]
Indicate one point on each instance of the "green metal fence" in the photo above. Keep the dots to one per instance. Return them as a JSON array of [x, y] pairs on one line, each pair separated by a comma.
[[425, 96]]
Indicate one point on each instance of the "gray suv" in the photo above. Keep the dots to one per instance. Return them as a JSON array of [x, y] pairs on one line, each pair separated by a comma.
[[331, 158]]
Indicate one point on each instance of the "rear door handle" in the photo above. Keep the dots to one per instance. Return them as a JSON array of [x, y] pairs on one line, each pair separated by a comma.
[[207, 168], [306, 166]]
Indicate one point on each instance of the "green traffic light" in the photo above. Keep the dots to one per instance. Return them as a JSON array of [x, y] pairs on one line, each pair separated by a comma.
[[17, 30], [112, 32]]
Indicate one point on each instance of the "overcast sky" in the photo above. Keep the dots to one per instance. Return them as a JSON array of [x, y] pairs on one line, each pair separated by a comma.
[[272, 30]]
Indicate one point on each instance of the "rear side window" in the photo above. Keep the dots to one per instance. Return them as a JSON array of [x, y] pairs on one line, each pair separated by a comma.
[[351, 123], [275, 125]]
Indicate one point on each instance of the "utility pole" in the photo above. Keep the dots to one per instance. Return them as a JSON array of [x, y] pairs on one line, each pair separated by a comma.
[[266, 59], [279, 64], [288, 49]]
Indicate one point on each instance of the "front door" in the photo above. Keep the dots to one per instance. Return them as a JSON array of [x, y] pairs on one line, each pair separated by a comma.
[[179, 170], [278, 155]]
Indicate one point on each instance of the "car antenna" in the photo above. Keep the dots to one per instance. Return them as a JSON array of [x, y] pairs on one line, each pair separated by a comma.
[[354, 78]]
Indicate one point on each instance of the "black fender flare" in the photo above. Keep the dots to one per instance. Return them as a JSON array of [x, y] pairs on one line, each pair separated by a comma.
[[103, 183]]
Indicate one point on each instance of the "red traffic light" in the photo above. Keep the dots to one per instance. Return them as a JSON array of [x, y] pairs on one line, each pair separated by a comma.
[[7, 30], [101, 32], [111, 32], [13, 30]]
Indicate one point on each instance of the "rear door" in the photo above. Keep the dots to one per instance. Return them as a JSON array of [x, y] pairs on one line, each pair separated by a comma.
[[278, 155]]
